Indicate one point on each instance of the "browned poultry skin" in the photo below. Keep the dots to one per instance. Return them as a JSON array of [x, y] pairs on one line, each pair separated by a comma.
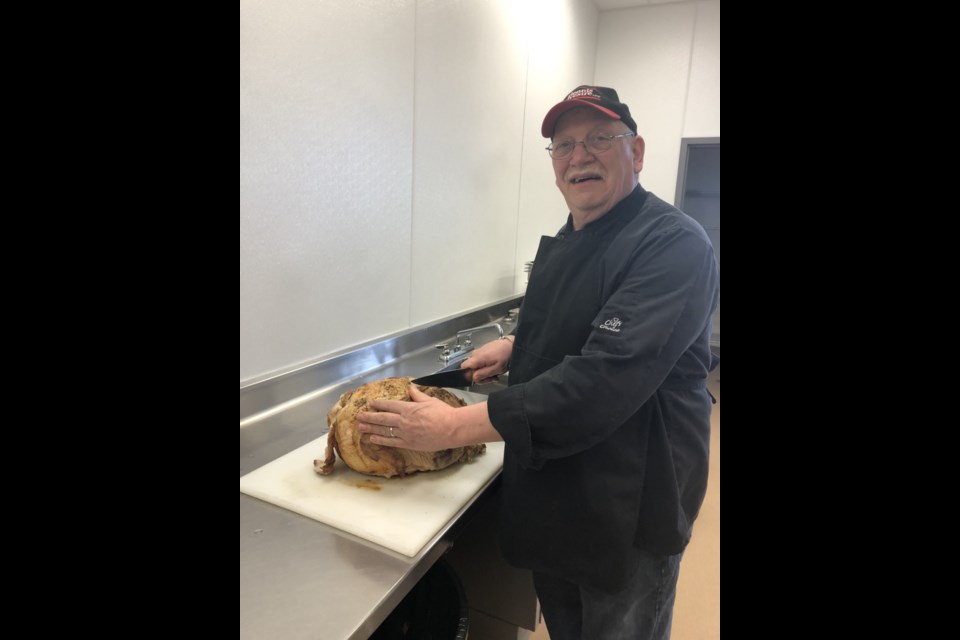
[[361, 455]]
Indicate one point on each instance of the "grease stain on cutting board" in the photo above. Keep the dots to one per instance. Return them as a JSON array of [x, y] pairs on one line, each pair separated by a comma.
[[369, 484]]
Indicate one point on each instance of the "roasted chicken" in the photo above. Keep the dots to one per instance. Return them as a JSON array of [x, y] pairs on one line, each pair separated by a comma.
[[356, 450]]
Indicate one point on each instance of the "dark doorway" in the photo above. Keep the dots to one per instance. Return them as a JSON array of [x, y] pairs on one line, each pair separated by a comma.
[[698, 194]]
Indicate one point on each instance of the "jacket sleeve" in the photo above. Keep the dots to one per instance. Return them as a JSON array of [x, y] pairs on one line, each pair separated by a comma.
[[658, 301]]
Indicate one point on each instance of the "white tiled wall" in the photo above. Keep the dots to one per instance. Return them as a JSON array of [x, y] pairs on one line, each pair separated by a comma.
[[703, 99], [391, 166], [326, 106], [664, 61], [471, 74], [558, 63]]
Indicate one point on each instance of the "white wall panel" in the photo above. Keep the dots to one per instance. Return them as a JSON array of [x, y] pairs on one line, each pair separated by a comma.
[[470, 82], [326, 113], [563, 40], [703, 100], [644, 54]]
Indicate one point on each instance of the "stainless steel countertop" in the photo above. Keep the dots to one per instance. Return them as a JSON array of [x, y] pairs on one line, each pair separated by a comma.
[[300, 578]]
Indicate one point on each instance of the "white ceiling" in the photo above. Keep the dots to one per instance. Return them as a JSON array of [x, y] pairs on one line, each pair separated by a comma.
[[607, 5]]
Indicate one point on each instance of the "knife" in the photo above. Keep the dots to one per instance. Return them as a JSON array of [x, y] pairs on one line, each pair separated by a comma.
[[456, 378]]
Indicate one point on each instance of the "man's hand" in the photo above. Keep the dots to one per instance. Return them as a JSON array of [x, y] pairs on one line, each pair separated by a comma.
[[423, 425], [490, 360]]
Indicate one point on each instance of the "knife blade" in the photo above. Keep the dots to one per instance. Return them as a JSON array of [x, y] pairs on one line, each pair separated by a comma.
[[456, 378]]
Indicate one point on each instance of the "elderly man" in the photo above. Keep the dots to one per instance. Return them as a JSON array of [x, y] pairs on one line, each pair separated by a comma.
[[606, 420]]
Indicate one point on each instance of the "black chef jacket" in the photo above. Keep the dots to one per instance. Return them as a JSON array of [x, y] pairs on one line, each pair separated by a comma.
[[607, 417]]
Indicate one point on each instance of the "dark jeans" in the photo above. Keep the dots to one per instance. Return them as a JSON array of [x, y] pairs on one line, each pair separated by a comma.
[[643, 610]]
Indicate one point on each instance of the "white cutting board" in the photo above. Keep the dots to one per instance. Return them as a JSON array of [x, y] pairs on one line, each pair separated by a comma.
[[402, 514]]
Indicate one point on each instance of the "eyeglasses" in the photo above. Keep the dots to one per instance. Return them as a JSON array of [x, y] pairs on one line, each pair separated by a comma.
[[594, 144]]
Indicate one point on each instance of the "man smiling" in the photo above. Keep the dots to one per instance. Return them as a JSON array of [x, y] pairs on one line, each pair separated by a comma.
[[596, 158]]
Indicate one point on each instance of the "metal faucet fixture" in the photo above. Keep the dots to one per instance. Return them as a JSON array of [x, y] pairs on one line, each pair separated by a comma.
[[459, 349]]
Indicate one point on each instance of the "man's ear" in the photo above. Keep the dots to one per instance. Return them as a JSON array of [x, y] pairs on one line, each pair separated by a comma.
[[639, 146]]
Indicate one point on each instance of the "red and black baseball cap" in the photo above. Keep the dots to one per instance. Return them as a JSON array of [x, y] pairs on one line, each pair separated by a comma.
[[603, 99]]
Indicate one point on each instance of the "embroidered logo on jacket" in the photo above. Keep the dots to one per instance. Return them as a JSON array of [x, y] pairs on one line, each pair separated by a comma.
[[613, 324]]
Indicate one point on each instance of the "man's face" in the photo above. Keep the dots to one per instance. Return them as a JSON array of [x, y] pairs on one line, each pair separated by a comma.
[[592, 183]]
